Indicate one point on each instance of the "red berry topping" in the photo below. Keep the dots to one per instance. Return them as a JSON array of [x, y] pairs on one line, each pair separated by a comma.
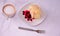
[[27, 15]]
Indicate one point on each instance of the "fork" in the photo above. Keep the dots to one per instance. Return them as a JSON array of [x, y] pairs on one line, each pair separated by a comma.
[[38, 31]]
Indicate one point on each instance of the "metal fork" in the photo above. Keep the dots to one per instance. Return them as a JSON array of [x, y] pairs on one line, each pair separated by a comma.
[[38, 31]]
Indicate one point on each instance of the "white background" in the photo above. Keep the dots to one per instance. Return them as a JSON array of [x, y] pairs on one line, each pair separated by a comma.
[[51, 25]]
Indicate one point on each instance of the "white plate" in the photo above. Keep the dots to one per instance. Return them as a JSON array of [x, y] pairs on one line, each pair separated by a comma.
[[34, 22]]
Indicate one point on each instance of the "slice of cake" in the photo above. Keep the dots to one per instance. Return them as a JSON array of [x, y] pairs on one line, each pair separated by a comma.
[[35, 11]]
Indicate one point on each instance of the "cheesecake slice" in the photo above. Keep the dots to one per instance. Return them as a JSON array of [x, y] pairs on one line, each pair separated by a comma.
[[35, 11]]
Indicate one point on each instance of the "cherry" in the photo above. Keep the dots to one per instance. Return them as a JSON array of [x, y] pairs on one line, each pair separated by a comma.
[[27, 15]]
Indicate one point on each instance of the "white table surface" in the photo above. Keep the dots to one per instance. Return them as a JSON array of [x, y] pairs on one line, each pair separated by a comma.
[[51, 25]]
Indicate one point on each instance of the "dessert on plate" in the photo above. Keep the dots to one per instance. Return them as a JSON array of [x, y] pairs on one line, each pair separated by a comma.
[[33, 12]]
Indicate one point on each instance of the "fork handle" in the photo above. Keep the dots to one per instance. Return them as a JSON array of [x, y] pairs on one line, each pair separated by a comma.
[[26, 29]]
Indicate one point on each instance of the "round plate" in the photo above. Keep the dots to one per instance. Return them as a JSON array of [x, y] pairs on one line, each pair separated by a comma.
[[35, 21]]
